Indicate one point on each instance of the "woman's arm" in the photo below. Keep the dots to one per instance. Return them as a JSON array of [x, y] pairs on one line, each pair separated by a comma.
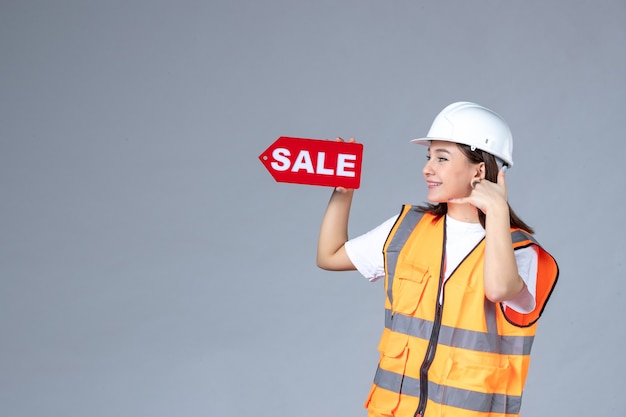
[[501, 276], [502, 280], [331, 253]]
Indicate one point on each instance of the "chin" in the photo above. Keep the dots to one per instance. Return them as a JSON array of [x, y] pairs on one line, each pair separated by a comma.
[[436, 200]]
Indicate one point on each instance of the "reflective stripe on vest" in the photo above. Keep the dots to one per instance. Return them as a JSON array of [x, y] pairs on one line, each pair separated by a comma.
[[460, 338], [399, 239], [456, 397]]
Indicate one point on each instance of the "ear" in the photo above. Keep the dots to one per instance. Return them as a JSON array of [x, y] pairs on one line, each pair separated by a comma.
[[480, 171]]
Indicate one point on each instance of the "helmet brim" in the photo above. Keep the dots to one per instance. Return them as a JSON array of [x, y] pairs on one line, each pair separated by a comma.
[[426, 141], [422, 141]]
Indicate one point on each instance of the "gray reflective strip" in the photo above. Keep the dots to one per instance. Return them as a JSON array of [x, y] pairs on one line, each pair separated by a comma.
[[519, 236], [449, 396], [398, 240], [459, 338], [490, 317]]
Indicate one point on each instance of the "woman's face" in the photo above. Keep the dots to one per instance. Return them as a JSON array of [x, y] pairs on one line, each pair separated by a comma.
[[448, 172]]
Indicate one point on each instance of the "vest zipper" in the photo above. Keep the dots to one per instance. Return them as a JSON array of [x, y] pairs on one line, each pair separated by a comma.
[[428, 360], [434, 335]]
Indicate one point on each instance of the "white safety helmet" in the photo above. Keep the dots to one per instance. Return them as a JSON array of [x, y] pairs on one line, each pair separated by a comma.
[[474, 125]]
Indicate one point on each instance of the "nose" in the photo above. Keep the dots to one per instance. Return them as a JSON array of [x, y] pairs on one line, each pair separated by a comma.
[[427, 170]]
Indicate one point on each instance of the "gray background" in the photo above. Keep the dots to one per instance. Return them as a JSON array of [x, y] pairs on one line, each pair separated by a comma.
[[150, 266]]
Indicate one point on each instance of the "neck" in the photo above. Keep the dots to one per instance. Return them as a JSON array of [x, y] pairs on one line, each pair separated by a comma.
[[463, 212]]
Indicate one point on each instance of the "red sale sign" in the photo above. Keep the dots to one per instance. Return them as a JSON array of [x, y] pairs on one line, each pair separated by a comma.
[[314, 162]]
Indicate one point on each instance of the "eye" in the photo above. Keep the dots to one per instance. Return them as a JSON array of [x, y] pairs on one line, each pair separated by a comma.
[[438, 158]]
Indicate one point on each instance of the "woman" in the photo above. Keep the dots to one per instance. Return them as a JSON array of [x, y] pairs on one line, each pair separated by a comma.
[[465, 280]]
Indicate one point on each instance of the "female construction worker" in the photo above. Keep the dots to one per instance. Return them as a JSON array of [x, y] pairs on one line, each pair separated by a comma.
[[465, 280]]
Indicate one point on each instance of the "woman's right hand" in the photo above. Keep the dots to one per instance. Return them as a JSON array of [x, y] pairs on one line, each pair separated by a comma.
[[344, 190]]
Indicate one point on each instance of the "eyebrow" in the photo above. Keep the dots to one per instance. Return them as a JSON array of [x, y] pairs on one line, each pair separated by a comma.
[[439, 150]]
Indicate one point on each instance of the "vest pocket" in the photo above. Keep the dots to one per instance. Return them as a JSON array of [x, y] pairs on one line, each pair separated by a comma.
[[384, 396], [475, 385], [408, 288], [381, 402], [393, 344]]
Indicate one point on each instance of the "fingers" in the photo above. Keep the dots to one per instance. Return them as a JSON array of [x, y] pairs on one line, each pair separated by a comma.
[[461, 200], [343, 190], [501, 180], [501, 175], [340, 139]]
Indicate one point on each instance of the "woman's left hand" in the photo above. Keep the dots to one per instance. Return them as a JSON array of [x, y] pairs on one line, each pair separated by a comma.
[[485, 193]]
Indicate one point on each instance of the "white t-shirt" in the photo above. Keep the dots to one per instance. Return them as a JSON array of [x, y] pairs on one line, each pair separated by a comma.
[[366, 254]]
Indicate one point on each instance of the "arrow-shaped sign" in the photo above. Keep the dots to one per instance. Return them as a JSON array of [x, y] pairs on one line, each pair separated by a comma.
[[314, 162]]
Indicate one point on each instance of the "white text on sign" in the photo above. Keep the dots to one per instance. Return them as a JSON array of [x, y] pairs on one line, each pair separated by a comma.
[[345, 163]]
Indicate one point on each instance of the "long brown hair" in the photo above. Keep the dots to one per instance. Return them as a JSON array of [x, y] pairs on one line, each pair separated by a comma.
[[491, 174]]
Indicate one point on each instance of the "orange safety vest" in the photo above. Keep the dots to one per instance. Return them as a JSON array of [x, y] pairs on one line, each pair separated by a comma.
[[464, 357]]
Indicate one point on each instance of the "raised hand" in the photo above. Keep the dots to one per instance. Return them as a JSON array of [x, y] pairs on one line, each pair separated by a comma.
[[486, 194], [343, 189]]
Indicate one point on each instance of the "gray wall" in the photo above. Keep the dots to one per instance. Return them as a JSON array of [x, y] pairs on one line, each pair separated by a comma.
[[150, 266]]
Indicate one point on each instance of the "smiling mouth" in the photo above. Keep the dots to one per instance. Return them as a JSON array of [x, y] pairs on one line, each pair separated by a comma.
[[432, 184]]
